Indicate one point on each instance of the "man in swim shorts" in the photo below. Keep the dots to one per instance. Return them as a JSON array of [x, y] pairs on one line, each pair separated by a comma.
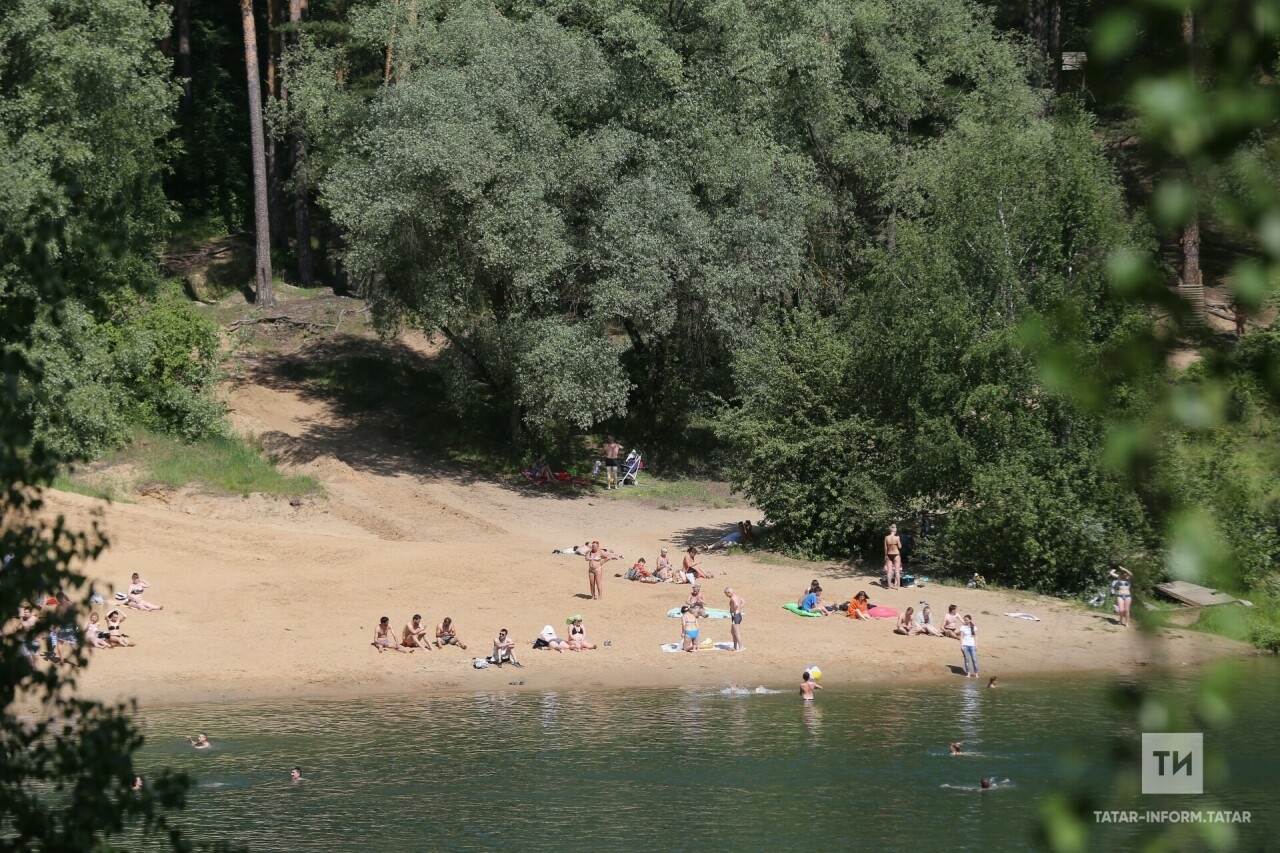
[[807, 686], [736, 603], [611, 450]]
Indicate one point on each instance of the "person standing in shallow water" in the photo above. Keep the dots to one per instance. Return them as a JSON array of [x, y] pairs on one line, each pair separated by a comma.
[[807, 686]]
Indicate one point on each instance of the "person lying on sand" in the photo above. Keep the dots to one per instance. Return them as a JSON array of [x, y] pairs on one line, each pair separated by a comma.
[[446, 636], [136, 587], [414, 635], [577, 550], [383, 639], [547, 639]]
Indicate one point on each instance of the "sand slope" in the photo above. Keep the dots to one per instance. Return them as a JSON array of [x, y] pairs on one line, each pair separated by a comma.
[[267, 600]]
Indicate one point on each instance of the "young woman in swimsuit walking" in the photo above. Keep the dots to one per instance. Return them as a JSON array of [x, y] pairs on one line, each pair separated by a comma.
[[1123, 585]]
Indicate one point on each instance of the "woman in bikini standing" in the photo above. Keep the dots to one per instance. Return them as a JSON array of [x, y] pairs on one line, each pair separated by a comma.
[[1124, 593], [596, 558]]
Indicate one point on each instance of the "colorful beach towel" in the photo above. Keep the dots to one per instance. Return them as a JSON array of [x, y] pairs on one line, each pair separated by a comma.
[[795, 608], [882, 612], [712, 613], [704, 646]]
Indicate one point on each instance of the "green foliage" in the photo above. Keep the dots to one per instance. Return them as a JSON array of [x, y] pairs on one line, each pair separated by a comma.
[[156, 366], [221, 464]]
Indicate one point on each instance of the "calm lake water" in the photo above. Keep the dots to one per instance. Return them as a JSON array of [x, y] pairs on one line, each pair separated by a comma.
[[693, 769]]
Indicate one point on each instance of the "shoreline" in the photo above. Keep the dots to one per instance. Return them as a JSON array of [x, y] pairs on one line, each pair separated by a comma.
[[784, 679], [268, 600]]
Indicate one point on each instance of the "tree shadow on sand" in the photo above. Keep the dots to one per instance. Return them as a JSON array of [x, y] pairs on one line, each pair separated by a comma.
[[387, 414]]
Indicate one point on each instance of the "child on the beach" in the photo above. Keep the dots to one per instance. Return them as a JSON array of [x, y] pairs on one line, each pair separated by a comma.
[[807, 686]]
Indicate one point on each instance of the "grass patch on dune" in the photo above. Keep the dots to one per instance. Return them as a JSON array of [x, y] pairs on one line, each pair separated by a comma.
[[223, 464], [1259, 625], [69, 482], [229, 465], [674, 492]]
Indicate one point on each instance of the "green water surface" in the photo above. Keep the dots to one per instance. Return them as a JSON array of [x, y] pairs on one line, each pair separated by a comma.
[[699, 769]]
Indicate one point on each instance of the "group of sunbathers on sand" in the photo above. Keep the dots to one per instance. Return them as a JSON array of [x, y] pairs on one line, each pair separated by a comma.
[[415, 635], [63, 639]]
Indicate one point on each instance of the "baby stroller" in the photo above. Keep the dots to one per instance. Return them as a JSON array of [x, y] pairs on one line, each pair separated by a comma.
[[631, 466]]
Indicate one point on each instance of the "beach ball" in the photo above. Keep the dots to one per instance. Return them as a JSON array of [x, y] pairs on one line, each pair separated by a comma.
[[815, 674]]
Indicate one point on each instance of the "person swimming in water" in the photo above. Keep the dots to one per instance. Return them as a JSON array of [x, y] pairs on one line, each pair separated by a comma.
[[956, 748], [200, 741]]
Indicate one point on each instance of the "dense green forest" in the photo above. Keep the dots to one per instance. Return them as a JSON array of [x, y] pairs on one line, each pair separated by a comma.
[[857, 257]]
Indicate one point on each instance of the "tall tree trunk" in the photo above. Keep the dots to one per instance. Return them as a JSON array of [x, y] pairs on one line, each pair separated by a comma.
[[301, 213], [275, 159], [264, 296], [182, 65], [1191, 284], [402, 72], [391, 44], [1054, 45]]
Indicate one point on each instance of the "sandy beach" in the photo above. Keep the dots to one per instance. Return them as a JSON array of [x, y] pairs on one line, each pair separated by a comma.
[[266, 600]]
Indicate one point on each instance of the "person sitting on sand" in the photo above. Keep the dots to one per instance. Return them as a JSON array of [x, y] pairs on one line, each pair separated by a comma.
[[504, 649], [688, 629], [957, 748], [446, 636], [859, 606], [541, 470], [813, 603], [924, 622], [663, 572], [578, 635], [547, 639], [907, 623], [115, 634], [951, 623], [414, 635], [199, 741], [696, 602], [136, 587], [383, 639], [692, 568], [91, 633], [814, 586], [639, 572]]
